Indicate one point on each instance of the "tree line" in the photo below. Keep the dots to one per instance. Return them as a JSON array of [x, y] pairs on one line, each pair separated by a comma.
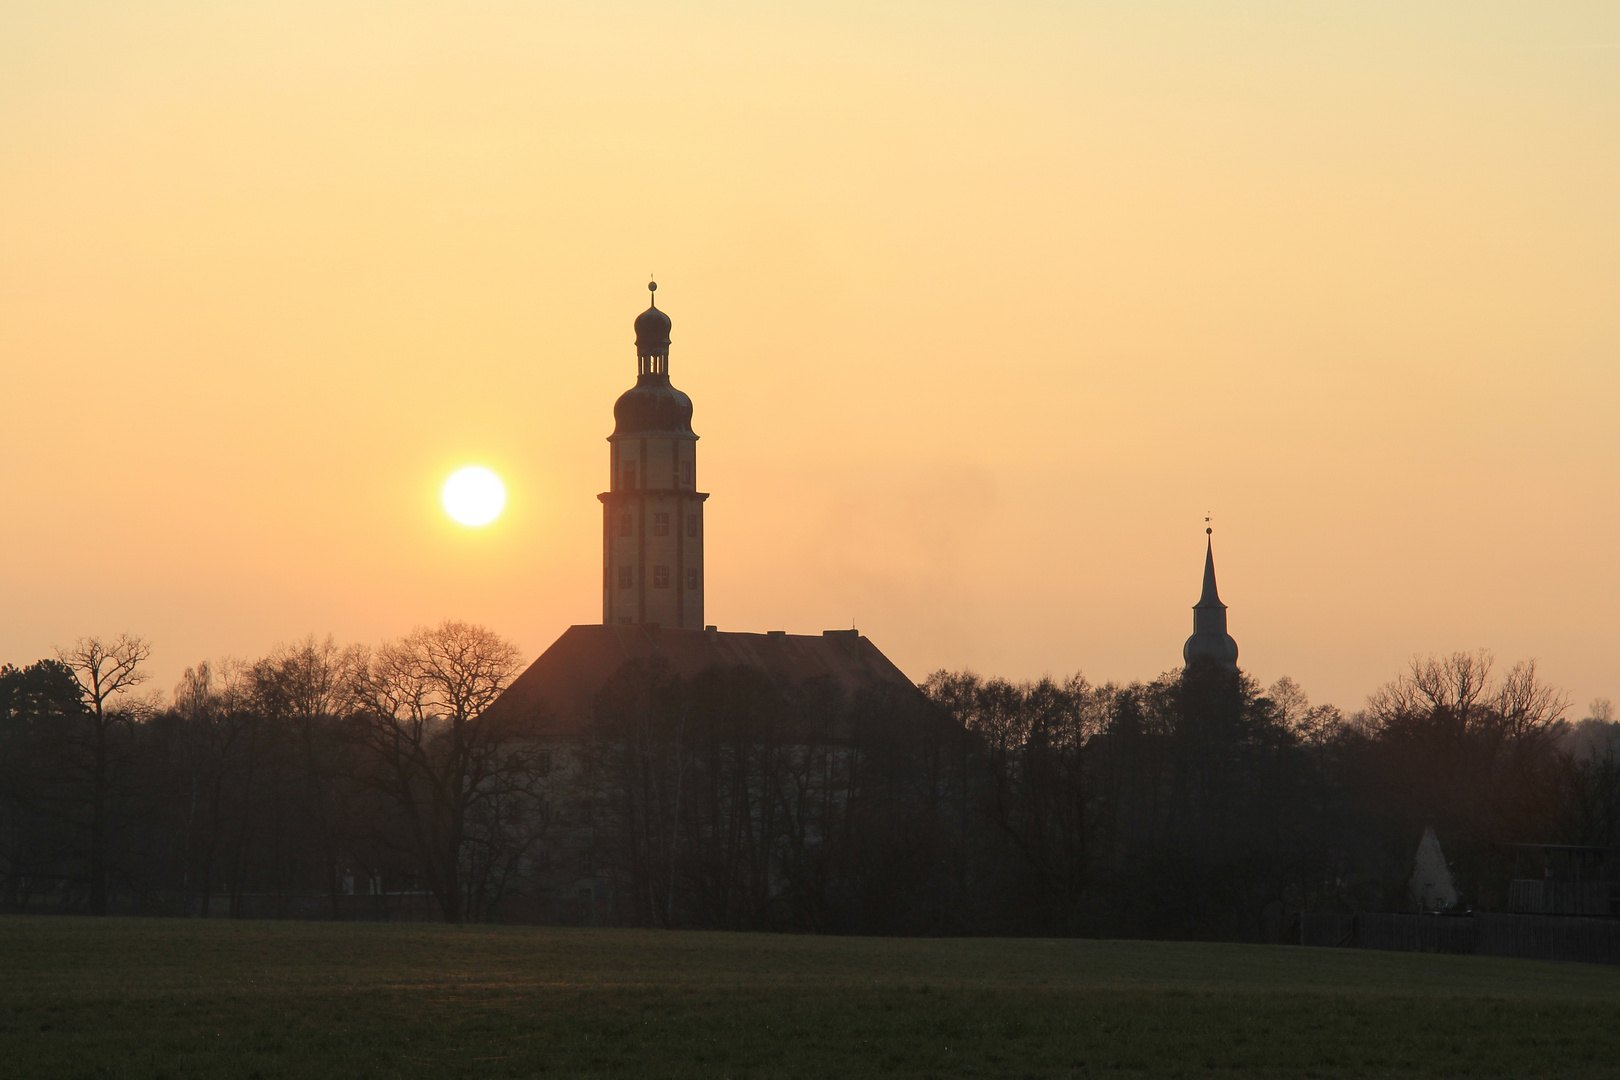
[[352, 782], [287, 778]]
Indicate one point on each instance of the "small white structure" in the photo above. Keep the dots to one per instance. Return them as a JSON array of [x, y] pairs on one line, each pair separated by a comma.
[[1433, 888]]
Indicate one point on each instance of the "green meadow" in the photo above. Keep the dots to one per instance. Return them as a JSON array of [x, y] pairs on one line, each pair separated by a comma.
[[168, 998]]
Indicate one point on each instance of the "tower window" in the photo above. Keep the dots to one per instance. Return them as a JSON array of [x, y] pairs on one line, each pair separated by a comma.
[[691, 579], [628, 470], [627, 524], [627, 576], [686, 471], [660, 524], [691, 524], [660, 577]]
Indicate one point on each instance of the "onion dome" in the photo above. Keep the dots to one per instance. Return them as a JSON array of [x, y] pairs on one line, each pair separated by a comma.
[[652, 332], [652, 406], [1209, 640]]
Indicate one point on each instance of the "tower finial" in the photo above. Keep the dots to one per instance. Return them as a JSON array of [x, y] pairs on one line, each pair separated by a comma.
[[652, 287]]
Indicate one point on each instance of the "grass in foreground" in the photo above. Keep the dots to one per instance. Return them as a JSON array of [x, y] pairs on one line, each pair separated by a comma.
[[148, 999]]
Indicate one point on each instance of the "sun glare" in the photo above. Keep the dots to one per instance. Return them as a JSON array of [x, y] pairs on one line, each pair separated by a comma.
[[473, 496]]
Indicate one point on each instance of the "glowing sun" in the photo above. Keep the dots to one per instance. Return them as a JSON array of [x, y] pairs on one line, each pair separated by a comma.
[[473, 496]]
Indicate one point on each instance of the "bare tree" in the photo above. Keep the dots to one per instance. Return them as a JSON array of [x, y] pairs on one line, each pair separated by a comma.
[[1477, 756], [104, 671], [1035, 739], [222, 729], [419, 702], [308, 686], [1596, 735], [1458, 696], [1290, 700]]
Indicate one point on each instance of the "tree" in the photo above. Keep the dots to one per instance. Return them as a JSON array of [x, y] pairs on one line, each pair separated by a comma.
[[1597, 734], [307, 687], [1478, 756], [1034, 737], [38, 706], [419, 702], [105, 672], [639, 769], [221, 725]]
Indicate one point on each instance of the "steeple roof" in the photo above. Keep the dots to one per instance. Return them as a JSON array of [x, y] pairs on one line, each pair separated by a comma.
[[1209, 640], [1211, 597], [652, 328], [653, 405]]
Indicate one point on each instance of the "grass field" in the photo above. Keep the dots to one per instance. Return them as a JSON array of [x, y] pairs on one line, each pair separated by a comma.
[[150, 998]]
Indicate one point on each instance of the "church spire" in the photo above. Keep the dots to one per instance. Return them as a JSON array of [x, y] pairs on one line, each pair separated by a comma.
[[1211, 598], [1209, 640]]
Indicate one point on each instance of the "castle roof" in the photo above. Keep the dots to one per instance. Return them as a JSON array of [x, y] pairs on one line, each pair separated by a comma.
[[557, 694]]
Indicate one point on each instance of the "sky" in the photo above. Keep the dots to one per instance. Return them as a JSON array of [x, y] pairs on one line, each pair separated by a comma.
[[983, 307]]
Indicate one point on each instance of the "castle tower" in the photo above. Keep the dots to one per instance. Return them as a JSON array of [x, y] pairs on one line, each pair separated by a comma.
[[1209, 640], [652, 514]]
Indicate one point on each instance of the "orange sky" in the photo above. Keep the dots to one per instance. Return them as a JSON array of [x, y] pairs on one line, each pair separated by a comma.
[[982, 306]]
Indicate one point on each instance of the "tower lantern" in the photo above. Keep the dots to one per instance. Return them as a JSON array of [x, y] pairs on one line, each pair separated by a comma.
[[652, 512]]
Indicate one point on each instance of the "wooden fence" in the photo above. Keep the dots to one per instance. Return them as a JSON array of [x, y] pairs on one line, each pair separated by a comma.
[[1533, 896], [1533, 937]]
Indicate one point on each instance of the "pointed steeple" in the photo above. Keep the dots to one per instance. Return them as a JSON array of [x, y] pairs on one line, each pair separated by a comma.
[[1209, 640], [1211, 597]]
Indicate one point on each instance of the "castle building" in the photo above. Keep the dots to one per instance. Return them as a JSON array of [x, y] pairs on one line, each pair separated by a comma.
[[653, 576], [1209, 640], [652, 512]]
